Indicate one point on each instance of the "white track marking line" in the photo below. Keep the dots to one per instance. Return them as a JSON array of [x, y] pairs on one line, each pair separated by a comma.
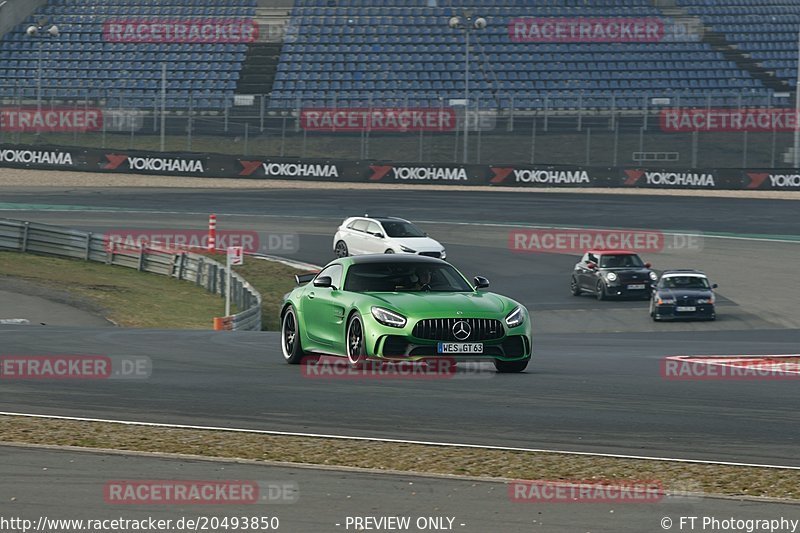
[[395, 441], [14, 321]]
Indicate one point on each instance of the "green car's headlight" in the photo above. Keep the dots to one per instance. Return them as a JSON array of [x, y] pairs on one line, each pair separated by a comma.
[[388, 318], [515, 317]]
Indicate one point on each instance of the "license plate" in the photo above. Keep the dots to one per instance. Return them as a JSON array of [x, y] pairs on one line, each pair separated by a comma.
[[687, 308], [460, 347], [639, 286]]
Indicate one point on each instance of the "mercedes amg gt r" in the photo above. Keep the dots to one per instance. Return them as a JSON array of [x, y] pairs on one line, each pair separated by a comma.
[[402, 308]]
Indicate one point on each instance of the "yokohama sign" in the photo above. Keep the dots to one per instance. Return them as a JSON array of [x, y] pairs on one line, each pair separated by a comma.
[[37, 157], [378, 119], [586, 30], [669, 179], [154, 164], [272, 169], [682, 120], [419, 173], [49, 120], [539, 176]]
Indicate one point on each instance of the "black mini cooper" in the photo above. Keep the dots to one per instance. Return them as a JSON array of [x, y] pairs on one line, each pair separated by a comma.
[[612, 273], [683, 294]]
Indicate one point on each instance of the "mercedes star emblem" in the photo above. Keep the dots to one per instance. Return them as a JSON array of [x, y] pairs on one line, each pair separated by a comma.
[[462, 330]]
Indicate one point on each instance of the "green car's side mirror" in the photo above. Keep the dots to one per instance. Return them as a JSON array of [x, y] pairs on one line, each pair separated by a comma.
[[481, 282]]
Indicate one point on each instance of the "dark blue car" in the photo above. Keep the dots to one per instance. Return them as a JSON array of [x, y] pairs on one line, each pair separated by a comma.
[[683, 294]]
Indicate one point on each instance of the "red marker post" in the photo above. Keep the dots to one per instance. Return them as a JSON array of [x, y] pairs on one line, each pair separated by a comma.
[[212, 232]]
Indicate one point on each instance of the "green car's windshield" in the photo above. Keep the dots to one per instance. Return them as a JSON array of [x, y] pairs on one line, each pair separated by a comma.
[[401, 229], [404, 277]]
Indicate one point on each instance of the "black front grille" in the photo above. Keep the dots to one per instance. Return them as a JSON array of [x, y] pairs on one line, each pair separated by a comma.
[[634, 277], [431, 254], [441, 329], [395, 346]]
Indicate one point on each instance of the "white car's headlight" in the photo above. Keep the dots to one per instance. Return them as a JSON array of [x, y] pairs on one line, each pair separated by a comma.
[[407, 250], [653, 276], [388, 318], [611, 276], [443, 254], [515, 317]]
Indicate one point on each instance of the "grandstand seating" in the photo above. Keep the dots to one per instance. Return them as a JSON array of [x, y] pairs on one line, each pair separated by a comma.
[[80, 64], [392, 52], [766, 29]]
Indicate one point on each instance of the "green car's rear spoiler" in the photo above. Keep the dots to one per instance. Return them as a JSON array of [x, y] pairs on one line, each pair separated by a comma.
[[305, 278]]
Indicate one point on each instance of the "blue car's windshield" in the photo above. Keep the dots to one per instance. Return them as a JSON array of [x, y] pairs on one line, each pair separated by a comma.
[[685, 282], [404, 277]]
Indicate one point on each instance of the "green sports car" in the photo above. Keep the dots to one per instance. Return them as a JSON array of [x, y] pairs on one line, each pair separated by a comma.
[[394, 307]]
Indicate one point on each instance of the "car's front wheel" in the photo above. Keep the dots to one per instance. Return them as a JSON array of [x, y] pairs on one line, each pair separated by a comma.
[[389, 251], [356, 343], [574, 288], [510, 367], [600, 291], [290, 338], [340, 250]]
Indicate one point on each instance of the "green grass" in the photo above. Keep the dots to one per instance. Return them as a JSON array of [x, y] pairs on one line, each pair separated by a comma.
[[144, 300], [272, 280], [126, 296]]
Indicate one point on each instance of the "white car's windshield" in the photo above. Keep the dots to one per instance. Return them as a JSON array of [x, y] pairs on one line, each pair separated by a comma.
[[401, 229]]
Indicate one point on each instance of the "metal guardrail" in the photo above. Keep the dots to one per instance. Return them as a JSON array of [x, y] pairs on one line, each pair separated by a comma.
[[31, 237]]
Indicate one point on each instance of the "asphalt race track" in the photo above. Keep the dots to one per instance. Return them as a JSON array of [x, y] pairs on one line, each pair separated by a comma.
[[595, 382], [74, 484]]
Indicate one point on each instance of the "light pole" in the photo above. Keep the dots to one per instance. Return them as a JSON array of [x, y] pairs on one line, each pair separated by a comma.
[[466, 23], [39, 30]]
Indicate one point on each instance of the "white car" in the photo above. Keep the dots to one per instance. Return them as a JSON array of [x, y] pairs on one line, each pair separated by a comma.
[[383, 235]]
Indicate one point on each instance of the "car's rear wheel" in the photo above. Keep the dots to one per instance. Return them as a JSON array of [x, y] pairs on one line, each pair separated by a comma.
[[600, 291], [290, 338], [341, 249], [574, 288], [356, 344], [510, 367]]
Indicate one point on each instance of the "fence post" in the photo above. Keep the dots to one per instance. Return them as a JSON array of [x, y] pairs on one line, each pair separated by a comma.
[[88, 249], [616, 145], [199, 276], [25, 229], [588, 146], [533, 141], [261, 112], [140, 266], [744, 150], [283, 136], [695, 142]]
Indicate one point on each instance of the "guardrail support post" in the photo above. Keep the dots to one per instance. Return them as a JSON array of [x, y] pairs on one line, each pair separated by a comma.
[[88, 246], [140, 266], [25, 229]]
